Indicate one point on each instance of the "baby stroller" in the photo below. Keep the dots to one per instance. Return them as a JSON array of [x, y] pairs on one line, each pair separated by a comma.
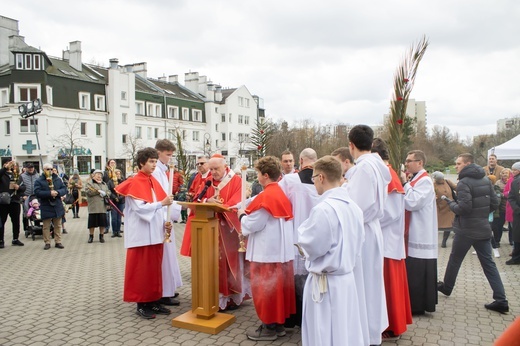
[[35, 222]]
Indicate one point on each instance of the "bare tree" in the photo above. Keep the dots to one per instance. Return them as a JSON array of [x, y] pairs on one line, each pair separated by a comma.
[[131, 147], [68, 142]]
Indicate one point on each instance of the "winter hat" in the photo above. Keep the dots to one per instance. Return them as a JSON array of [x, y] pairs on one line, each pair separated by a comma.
[[516, 166], [437, 175]]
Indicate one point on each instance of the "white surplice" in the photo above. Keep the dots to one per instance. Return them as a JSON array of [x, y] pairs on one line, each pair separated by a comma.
[[420, 200], [171, 273], [303, 198], [392, 226], [332, 238], [367, 186]]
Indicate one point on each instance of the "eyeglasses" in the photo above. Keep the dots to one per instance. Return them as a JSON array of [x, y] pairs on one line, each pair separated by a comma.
[[201, 163], [314, 176], [408, 161], [48, 169]]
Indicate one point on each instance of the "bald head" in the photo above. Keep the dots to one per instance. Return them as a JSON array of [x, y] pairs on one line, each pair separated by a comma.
[[217, 166], [308, 157]]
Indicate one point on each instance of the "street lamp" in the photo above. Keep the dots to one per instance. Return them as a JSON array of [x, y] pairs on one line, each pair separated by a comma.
[[27, 110]]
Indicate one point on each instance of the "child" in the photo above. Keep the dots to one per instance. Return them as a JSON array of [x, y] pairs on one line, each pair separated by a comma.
[[34, 212]]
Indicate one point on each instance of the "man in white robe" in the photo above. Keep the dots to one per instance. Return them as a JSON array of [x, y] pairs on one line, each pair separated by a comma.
[[331, 240], [303, 196], [367, 186], [170, 267]]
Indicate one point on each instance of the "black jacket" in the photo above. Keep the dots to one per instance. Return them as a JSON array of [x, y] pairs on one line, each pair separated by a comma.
[[5, 179], [476, 198], [514, 202]]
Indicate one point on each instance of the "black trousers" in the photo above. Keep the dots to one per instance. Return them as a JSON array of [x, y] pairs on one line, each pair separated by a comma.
[[13, 210]]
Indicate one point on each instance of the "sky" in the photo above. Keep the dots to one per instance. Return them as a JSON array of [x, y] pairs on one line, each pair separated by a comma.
[[327, 61]]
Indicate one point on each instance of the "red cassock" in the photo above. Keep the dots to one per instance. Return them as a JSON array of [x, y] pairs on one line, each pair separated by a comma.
[[396, 280], [230, 276]]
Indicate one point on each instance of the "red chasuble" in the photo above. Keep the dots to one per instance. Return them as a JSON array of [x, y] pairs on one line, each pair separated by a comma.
[[230, 275]]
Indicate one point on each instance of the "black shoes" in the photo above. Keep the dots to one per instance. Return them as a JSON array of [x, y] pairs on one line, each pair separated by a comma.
[[101, 238], [64, 231], [17, 242], [47, 246], [59, 246], [144, 311], [498, 307], [158, 309], [169, 301], [116, 235], [512, 262], [2, 244], [90, 238], [442, 289]]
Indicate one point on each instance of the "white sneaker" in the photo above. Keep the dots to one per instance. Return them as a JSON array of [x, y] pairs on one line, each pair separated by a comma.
[[496, 253]]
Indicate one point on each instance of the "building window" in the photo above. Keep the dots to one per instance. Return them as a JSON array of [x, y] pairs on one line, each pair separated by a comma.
[[4, 96], [83, 129], [48, 90], [247, 102], [241, 101], [124, 118], [37, 62], [223, 136], [230, 117], [123, 95], [123, 139], [240, 137], [240, 119], [185, 114], [230, 137], [154, 110], [171, 134], [98, 130], [138, 134], [139, 108], [247, 137], [28, 61], [7, 127], [173, 112], [99, 102], [149, 133], [27, 94], [156, 133], [197, 115], [97, 162], [196, 136], [19, 61], [216, 127], [246, 120], [84, 100], [184, 134], [24, 125], [223, 116]]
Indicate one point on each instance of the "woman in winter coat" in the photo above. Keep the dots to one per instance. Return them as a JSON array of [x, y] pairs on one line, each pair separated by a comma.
[[96, 190]]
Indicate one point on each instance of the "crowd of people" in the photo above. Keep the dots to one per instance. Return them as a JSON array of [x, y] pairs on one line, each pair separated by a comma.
[[341, 245]]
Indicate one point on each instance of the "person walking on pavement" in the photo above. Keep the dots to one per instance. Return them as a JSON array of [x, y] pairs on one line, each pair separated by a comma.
[[28, 178], [11, 185], [476, 199]]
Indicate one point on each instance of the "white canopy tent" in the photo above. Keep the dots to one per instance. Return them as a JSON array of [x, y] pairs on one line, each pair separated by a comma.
[[509, 150]]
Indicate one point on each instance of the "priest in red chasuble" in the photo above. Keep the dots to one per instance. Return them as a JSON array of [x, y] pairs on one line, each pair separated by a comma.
[[225, 189]]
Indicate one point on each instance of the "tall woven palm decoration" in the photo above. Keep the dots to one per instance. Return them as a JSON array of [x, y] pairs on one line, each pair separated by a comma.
[[404, 79]]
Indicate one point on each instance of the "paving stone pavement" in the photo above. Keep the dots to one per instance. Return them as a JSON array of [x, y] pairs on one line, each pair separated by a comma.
[[74, 297]]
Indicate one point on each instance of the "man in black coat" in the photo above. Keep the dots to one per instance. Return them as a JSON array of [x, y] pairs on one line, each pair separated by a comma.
[[49, 189], [11, 184], [476, 198], [514, 201]]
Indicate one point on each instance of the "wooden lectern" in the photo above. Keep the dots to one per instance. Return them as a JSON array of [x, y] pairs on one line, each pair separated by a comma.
[[204, 316]]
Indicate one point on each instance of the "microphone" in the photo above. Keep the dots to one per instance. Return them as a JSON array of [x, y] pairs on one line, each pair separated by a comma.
[[203, 192]]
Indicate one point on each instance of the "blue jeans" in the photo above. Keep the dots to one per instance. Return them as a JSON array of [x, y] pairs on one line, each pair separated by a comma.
[[116, 218], [460, 247]]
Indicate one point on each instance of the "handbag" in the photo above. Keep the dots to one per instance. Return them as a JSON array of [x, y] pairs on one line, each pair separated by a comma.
[[69, 199], [5, 198]]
